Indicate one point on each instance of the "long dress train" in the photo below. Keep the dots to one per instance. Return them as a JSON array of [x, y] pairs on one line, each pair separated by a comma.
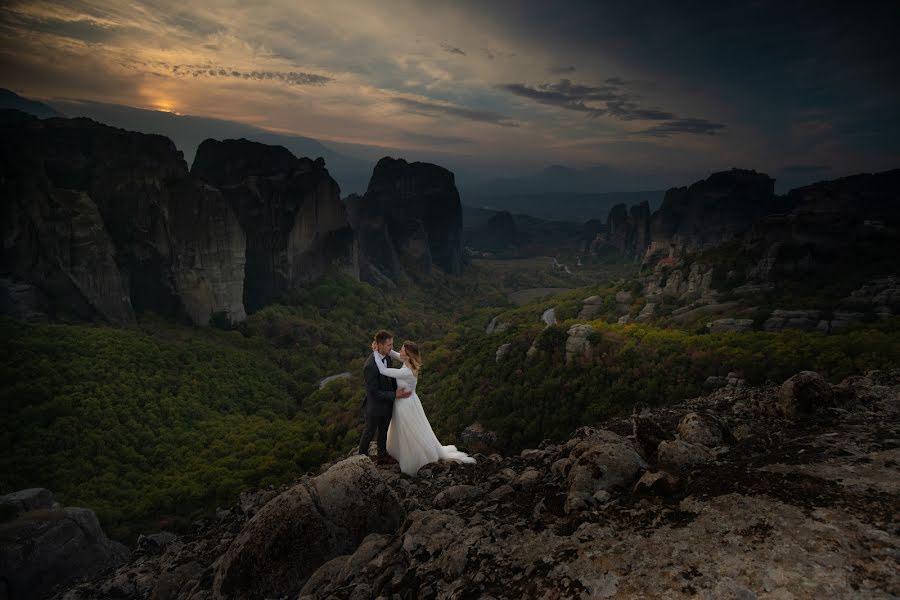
[[410, 438]]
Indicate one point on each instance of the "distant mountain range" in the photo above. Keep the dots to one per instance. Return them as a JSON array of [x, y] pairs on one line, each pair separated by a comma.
[[562, 206], [188, 132], [10, 99]]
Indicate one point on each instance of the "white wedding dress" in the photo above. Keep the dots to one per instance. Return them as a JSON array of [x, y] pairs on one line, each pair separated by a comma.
[[410, 438]]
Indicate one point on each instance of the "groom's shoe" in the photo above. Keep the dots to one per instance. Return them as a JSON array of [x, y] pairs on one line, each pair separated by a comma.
[[390, 460]]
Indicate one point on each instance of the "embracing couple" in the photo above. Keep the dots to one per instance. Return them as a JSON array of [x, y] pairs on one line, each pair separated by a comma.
[[394, 411]]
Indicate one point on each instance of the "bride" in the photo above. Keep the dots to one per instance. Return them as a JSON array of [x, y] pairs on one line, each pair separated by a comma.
[[410, 438]]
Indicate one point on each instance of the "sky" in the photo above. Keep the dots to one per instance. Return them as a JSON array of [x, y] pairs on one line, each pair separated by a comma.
[[801, 90]]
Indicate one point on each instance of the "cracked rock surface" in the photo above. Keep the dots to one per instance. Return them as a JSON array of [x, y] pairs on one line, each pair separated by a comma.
[[785, 504]]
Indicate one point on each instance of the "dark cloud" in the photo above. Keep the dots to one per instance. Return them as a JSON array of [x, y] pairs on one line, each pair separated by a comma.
[[433, 109], [562, 70], [452, 49], [565, 94], [86, 30], [804, 169], [436, 140], [630, 111], [688, 125], [612, 100], [195, 24], [288, 77]]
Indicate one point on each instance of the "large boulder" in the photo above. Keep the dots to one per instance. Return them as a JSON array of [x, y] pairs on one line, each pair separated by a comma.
[[46, 545], [703, 428], [578, 343], [600, 460], [804, 393], [26, 500], [502, 351], [477, 434], [593, 305], [298, 531], [496, 326], [681, 456]]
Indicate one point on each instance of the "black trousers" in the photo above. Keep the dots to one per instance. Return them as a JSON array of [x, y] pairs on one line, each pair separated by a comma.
[[373, 424]]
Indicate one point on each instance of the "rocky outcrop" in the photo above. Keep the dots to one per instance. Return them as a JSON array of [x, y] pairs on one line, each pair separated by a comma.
[[831, 228], [476, 434], [307, 525], [409, 220], [792, 319], [703, 428], [628, 230], [496, 326], [597, 461], [590, 517], [579, 345], [101, 223], [680, 283], [548, 317], [289, 210], [338, 377], [729, 324], [804, 393], [43, 545], [209, 262], [716, 209], [881, 296], [592, 306], [502, 352]]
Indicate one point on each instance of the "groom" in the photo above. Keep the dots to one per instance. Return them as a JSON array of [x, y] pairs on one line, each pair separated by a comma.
[[379, 401]]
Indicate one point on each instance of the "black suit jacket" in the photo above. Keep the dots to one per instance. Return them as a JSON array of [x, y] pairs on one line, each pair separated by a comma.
[[380, 390]]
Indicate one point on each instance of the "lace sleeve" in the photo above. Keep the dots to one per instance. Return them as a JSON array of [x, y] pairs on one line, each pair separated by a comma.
[[386, 371]]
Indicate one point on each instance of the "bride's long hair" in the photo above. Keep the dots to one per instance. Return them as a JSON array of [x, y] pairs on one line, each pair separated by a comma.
[[413, 355]]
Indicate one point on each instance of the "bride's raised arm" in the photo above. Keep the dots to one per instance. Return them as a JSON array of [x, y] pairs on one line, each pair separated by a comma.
[[386, 371], [395, 355]]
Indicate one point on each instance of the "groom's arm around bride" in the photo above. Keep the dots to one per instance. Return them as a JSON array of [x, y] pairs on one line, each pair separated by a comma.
[[379, 399]]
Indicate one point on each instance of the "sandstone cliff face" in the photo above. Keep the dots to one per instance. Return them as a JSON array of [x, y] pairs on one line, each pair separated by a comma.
[[289, 210], [849, 219], [209, 256], [627, 230], [409, 220], [841, 234], [712, 210], [67, 184], [101, 223]]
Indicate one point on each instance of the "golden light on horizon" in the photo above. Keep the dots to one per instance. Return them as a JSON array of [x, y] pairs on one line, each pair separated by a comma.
[[164, 104]]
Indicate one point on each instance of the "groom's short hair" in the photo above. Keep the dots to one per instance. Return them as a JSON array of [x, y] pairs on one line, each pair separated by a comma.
[[383, 336]]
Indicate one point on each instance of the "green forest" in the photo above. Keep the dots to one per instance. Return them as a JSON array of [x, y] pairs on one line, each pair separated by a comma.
[[156, 424]]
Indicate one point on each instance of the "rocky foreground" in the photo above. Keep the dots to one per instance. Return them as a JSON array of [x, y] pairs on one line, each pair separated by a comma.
[[781, 491]]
